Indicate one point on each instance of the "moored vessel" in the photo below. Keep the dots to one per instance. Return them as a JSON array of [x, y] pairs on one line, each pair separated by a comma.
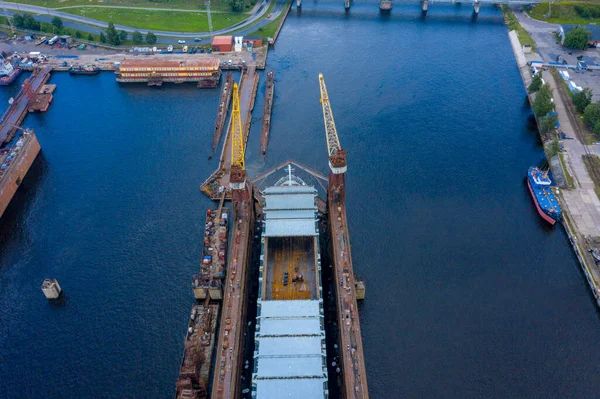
[[290, 359], [84, 70], [8, 73], [547, 205], [205, 71]]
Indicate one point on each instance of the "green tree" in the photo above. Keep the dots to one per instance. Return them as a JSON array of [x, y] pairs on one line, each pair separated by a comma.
[[553, 149], [26, 21], [58, 23], [137, 37], [536, 83], [548, 122], [112, 36], [577, 38], [102, 38], [591, 117], [542, 104], [236, 5], [18, 21], [90, 37], [78, 34], [150, 38], [582, 99], [122, 35]]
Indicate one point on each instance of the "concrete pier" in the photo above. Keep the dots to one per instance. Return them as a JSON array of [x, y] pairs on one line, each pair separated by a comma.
[[424, 6], [347, 4], [298, 3], [476, 7]]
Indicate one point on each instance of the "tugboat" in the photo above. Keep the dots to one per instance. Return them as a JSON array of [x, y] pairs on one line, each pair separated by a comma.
[[8, 73], [86, 70], [543, 197]]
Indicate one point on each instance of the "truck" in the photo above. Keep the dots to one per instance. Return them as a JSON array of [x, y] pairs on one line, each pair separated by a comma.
[[53, 40]]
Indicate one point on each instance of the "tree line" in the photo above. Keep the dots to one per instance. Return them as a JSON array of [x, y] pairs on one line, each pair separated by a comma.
[[110, 35]]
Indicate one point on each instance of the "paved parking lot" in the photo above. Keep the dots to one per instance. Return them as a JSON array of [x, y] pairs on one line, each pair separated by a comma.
[[549, 49]]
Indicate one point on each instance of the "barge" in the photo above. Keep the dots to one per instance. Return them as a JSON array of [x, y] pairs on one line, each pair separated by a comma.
[[266, 125], [8, 73], [84, 70], [155, 72], [290, 357], [210, 282]]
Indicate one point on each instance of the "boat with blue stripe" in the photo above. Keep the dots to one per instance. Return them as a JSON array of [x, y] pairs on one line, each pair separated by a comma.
[[539, 184]]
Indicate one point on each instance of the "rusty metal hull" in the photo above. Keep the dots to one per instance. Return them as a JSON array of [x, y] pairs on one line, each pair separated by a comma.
[[15, 173], [266, 125], [354, 378], [230, 345]]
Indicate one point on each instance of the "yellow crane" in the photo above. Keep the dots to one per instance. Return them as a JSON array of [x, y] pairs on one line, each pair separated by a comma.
[[337, 155], [238, 169]]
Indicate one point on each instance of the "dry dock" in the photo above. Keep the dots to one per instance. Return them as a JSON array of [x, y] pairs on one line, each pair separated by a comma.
[[266, 125]]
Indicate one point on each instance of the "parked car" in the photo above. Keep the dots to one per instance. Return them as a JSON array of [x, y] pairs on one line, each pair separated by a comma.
[[197, 39], [181, 41]]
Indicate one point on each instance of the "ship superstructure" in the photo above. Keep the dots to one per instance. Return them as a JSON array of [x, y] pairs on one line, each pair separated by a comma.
[[289, 358]]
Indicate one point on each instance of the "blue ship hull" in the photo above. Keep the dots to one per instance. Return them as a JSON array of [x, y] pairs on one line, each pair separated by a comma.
[[543, 197]]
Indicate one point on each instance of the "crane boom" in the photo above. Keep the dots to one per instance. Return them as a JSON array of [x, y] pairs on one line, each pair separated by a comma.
[[333, 142], [237, 140], [337, 155], [237, 173]]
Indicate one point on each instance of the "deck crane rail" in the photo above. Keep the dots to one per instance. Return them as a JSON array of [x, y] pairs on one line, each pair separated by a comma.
[[337, 155]]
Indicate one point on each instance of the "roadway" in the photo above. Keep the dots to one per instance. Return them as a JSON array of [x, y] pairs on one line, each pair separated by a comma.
[[84, 23]]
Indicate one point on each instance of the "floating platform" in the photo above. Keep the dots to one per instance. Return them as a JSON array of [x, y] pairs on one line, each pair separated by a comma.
[[212, 268], [198, 349], [266, 125], [222, 110]]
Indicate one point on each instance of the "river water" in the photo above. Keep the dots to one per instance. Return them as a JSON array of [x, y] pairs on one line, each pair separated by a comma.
[[469, 294]]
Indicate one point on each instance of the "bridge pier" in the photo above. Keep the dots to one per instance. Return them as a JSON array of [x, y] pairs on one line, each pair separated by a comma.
[[424, 6], [298, 3], [385, 5], [347, 4], [476, 6]]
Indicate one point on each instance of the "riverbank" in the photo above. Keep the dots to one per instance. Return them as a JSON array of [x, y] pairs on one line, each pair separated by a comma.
[[581, 207]]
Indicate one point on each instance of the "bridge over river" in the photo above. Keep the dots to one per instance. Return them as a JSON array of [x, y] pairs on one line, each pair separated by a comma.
[[386, 5]]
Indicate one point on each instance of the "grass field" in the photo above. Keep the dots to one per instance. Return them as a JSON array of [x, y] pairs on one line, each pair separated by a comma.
[[513, 24], [216, 5], [269, 29], [160, 20], [565, 12]]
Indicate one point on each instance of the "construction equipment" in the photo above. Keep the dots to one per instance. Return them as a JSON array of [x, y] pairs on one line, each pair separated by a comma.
[[238, 169], [337, 155]]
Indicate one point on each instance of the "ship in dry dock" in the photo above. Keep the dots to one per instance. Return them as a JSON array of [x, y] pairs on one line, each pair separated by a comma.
[[155, 72], [290, 359]]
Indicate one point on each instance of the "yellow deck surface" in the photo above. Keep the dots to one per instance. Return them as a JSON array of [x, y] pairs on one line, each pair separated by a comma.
[[296, 255]]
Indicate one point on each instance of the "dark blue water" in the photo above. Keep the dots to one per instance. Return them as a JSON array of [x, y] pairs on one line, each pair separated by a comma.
[[469, 295]]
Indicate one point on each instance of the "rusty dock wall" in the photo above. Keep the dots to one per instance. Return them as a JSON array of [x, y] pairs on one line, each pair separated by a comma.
[[354, 377], [230, 344], [14, 174]]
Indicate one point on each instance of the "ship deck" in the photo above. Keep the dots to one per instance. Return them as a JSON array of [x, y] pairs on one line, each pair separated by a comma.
[[296, 255]]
